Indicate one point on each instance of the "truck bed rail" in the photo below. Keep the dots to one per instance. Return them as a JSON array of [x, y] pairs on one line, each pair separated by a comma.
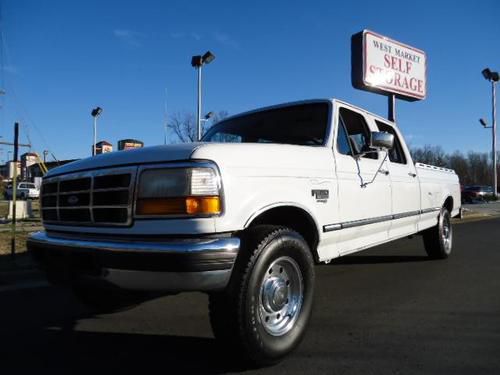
[[433, 167]]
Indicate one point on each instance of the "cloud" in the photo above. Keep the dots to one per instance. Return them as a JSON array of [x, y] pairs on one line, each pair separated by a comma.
[[181, 35], [195, 36], [129, 37], [177, 35], [11, 69], [225, 39]]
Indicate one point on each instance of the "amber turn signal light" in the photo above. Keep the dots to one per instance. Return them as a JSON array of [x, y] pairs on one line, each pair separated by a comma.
[[179, 206]]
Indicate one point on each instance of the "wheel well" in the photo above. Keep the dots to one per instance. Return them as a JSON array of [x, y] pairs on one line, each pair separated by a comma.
[[294, 218], [448, 204]]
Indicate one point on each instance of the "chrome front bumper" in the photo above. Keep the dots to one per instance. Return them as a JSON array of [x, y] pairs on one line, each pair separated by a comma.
[[194, 264]]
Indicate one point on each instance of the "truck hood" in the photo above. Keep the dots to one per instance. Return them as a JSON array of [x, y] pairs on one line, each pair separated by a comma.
[[144, 155], [250, 156]]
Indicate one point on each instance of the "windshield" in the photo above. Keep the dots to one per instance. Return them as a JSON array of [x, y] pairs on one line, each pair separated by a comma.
[[302, 124]]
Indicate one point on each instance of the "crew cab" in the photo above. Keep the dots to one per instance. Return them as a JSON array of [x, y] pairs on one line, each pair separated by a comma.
[[243, 215]]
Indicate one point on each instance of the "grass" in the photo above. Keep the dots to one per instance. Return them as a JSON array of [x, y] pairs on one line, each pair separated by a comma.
[[5, 242], [23, 228]]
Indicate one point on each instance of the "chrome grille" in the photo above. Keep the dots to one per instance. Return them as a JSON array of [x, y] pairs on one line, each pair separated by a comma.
[[96, 198]]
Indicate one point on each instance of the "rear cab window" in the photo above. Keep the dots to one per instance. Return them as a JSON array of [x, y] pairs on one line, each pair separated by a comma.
[[396, 153]]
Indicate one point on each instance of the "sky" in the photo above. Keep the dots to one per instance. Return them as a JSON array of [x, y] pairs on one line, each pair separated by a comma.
[[63, 58]]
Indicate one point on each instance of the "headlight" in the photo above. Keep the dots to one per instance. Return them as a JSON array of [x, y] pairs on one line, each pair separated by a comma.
[[178, 191]]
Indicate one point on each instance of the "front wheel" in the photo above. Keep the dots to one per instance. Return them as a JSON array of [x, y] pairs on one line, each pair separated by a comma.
[[265, 311], [439, 239]]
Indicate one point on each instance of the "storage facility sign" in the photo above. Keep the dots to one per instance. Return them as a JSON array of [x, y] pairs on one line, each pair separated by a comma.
[[386, 66]]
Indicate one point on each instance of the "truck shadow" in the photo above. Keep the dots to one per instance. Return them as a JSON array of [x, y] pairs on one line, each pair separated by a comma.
[[39, 332]]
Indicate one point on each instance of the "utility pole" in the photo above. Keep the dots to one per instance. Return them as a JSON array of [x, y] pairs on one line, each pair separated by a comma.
[[14, 191], [16, 145]]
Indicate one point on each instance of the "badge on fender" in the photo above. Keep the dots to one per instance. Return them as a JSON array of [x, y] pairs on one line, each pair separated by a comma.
[[320, 195]]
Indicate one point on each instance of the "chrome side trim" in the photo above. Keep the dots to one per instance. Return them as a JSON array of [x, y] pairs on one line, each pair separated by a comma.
[[229, 244], [331, 227], [358, 223], [406, 214], [380, 219], [427, 210]]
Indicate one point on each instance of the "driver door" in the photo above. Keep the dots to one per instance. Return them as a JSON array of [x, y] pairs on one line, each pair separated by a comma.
[[364, 195]]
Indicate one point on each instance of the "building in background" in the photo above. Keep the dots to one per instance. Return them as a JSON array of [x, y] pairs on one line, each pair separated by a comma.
[[27, 160], [102, 147], [7, 170], [35, 171], [128, 144]]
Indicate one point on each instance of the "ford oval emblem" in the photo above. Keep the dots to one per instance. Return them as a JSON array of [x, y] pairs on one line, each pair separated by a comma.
[[73, 200]]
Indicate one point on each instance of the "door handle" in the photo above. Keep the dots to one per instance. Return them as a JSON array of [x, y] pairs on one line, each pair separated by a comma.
[[411, 174], [383, 171]]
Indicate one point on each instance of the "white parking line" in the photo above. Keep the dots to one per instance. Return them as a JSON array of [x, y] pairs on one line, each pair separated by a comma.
[[25, 285]]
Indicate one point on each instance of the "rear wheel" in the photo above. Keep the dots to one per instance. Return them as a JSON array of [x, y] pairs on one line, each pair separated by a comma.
[[265, 310], [438, 240]]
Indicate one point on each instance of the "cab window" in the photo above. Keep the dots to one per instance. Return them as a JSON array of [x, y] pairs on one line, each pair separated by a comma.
[[396, 154]]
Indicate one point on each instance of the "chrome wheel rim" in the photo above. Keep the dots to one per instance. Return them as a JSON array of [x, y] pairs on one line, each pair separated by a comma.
[[281, 296], [446, 233]]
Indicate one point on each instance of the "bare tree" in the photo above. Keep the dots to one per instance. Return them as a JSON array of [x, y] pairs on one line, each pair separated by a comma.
[[458, 162], [434, 155], [183, 125], [472, 169]]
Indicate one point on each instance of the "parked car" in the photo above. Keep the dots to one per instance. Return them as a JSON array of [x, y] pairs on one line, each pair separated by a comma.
[[25, 190], [476, 192], [243, 215]]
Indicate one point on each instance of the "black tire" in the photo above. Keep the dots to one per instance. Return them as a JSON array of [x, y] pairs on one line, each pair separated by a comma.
[[438, 240], [263, 314], [106, 300]]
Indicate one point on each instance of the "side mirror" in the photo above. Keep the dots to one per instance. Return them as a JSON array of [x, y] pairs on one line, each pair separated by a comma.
[[383, 141]]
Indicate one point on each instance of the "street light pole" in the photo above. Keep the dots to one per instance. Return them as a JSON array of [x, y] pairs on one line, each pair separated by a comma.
[[494, 136], [493, 77], [198, 62], [198, 116], [96, 112], [95, 135]]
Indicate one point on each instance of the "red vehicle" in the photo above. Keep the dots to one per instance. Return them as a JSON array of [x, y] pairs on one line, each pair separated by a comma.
[[476, 192]]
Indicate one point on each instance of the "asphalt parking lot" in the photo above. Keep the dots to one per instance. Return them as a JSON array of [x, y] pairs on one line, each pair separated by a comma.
[[388, 310]]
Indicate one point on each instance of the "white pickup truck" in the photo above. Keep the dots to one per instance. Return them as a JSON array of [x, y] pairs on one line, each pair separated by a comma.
[[243, 215]]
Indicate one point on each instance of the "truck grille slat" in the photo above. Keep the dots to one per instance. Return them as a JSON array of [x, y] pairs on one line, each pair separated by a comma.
[[95, 198]]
